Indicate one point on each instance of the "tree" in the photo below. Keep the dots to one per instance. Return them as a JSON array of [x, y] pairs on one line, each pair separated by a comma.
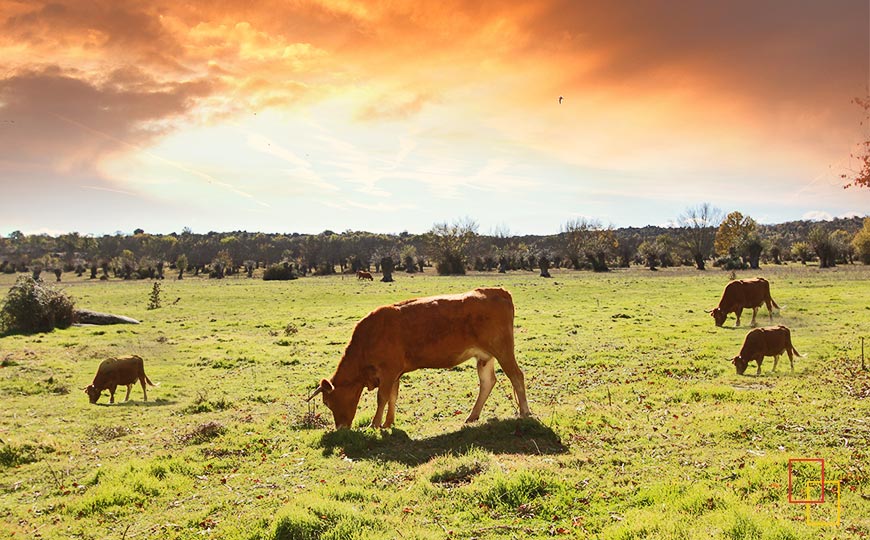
[[588, 240], [819, 240], [751, 248], [387, 267], [627, 249], [861, 176], [409, 258], [220, 264], [861, 242], [449, 245], [733, 232], [181, 265], [801, 251], [842, 246], [698, 226], [649, 253]]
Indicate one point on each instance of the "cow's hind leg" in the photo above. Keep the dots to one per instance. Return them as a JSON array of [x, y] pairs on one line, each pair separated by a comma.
[[486, 374], [738, 313], [112, 393], [775, 361], [753, 324], [144, 392], [790, 357], [129, 387], [758, 362], [508, 363]]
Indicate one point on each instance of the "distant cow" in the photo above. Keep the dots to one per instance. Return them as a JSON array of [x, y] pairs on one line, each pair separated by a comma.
[[362, 274], [744, 294], [435, 332], [761, 342], [114, 372]]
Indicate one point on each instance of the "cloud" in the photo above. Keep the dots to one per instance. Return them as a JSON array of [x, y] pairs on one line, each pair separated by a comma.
[[393, 107], [817, 215], [64, 122]]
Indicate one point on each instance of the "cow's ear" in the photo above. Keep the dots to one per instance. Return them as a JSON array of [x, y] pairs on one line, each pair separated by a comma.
[[734, 360], [326, 386]]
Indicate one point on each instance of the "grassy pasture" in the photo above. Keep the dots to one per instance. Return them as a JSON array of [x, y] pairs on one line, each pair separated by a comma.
[[642, 428]]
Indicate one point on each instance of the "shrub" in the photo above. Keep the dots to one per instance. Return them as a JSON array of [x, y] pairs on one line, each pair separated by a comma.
[[731, 263], [33, 307], [280, 272]]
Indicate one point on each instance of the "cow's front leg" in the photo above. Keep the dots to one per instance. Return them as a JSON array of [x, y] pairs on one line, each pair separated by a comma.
[[738, 313], [758, 371], [112, 393], [753, 324], [127, 397], [391, 405], [486, 374], [775, 361], [383, 397]]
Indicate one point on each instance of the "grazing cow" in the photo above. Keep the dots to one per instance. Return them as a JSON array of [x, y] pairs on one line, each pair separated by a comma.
[[362, 274], [435, 332], [114, 372], [761, 342], [740, 294]]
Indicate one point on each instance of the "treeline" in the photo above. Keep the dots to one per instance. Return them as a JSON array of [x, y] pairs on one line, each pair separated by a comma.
[[700, 237]]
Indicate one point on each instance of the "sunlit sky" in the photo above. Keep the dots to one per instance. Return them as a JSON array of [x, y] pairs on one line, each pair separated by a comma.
[[386, 116]]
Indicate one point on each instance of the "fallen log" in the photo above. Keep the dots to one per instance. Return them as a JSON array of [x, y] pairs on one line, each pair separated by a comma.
[[86, 316]]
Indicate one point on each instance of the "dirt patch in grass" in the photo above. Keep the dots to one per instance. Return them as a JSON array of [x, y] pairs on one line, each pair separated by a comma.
[[202, 433], [108, 433], [311, 420]]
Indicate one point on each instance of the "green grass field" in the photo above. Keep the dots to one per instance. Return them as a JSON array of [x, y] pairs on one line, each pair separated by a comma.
[[641, 430]]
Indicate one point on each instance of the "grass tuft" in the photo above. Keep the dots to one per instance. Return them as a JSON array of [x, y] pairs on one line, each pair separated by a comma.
[[202, 433]]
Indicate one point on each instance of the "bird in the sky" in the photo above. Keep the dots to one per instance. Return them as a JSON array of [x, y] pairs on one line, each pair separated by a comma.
[[560, 100]]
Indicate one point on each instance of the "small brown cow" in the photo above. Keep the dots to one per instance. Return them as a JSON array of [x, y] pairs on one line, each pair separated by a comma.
[[435, 332], [114, 372], [362, 274], [743, 294], [761, 342]]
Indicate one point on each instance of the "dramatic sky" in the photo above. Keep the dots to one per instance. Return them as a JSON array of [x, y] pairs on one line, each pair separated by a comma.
[[305, 115]]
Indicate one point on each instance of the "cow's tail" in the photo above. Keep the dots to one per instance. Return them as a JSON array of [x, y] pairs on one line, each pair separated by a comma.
[[799, 355], [148, 381], [772, 301]]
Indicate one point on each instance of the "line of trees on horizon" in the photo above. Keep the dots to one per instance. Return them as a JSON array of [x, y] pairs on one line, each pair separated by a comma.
[[701, 236]]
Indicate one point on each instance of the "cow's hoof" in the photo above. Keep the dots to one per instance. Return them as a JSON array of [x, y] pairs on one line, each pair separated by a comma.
[[472, 419]]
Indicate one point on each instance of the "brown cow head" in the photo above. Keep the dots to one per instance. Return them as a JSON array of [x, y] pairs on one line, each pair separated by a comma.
[[740, 364], [719, 316], [341, 401], [93, 393]]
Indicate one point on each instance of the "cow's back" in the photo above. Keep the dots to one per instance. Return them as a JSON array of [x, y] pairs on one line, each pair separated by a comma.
[[432, 332], [766, 341], [121, 370], [744, 293]]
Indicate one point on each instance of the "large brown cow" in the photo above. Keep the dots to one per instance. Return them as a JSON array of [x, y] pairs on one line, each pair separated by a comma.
[[435, 332], [744, 294], [761, 342], [114, 372], [362, 274]]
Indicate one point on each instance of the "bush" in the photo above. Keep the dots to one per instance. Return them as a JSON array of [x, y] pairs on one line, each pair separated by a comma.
[[280, 272], [33, 307], [731, 263]]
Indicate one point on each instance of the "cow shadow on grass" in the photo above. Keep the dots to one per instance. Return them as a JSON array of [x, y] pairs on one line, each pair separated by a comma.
[[138, 403], [514, 436]]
